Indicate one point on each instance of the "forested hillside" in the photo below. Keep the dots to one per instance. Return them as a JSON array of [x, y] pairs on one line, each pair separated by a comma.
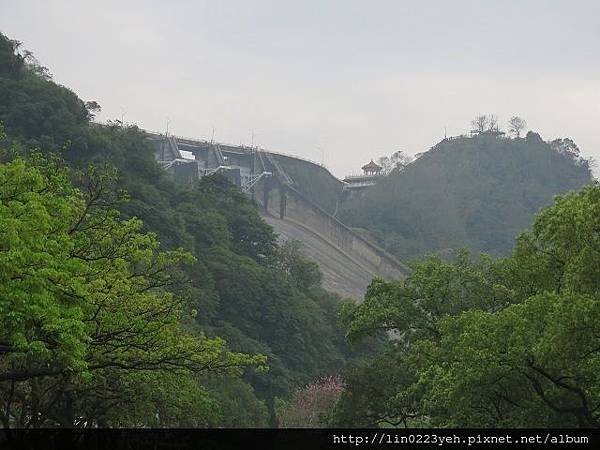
[[475, 191], [127, 300], [229, 280]]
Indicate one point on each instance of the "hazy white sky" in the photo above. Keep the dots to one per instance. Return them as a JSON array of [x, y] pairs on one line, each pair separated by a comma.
[[350, 80]]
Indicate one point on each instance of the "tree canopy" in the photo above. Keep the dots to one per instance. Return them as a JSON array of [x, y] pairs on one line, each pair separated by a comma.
[[87, 316], [509, 342]]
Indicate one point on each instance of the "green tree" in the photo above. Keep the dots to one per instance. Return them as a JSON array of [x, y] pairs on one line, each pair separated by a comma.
[[86, 309], [410, 311], [305, 273], [494, 343]]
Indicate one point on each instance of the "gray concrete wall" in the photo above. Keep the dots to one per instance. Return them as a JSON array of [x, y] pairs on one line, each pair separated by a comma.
[[365, 258], [299, 208]]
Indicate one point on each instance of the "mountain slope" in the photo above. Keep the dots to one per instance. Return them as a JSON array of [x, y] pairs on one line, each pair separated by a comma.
[[466, 191], [258, 296]]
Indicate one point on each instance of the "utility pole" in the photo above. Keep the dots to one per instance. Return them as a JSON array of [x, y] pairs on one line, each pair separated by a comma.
[[167, 132], [252, 153], [252, 163]]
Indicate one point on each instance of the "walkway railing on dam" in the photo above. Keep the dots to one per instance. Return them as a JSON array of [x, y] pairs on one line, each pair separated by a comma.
[[245, 149]]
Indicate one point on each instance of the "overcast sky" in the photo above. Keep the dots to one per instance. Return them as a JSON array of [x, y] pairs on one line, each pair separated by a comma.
[[350, 80]]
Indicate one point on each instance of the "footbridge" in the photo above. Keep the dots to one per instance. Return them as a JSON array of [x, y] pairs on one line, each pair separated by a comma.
[[347, 260]]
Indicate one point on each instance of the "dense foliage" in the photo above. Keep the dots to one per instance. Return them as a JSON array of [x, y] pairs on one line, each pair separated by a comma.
[[477, 192], [161, 307], [510, 342], [91, 334], [238, 284]]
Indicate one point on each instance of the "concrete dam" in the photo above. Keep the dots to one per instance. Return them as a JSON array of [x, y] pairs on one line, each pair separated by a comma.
[[281, 187]]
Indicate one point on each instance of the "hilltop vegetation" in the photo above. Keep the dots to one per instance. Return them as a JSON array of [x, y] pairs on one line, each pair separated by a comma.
[[231, 280], [475, 191]]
